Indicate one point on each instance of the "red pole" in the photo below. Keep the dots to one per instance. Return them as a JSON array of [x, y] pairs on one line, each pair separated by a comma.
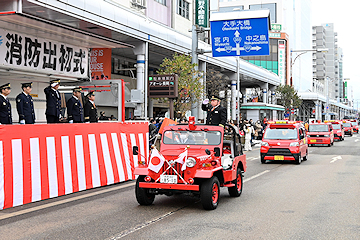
[[123, 100]]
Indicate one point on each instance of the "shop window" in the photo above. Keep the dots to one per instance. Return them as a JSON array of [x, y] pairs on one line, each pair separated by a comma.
[[275, 65], [269, 64]]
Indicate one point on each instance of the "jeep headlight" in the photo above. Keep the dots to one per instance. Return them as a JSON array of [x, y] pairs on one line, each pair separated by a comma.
[[265, 144], [190, 162], [294, 144]]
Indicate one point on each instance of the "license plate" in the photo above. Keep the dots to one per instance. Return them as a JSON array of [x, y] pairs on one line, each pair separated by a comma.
[[312, 141], [168, 179], [278, 157]]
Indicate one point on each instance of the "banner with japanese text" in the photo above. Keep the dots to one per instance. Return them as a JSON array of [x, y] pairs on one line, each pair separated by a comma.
[[25, 52], [100, 63]]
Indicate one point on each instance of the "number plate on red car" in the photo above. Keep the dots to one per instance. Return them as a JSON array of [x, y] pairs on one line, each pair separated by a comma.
[[168, 179]]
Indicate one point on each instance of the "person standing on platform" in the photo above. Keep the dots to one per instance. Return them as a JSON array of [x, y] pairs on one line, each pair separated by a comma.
[[5, 106], [90, 111], [53, 102], [75, 110], [216, 114], [25, 105]]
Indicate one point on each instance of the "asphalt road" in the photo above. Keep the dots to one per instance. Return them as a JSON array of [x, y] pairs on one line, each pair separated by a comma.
[[318, 199]]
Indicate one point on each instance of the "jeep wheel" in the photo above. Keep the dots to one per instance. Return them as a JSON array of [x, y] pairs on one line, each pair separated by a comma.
[[297, 160], [142, 194], [210, 192], [237, 189]]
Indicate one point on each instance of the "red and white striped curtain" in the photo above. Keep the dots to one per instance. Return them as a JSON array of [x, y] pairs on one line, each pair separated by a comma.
[[43, 161]]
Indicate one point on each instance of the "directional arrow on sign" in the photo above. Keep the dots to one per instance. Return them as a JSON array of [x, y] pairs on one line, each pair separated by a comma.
[[219, 49]]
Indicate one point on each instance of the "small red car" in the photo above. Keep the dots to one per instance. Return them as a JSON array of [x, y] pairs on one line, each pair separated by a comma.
[[348, 128], [320, 133], [214, 159], [284, 140], [355, 125], [338, 129]]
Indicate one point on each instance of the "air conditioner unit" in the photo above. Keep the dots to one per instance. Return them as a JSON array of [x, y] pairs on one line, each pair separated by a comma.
[[139, 3]]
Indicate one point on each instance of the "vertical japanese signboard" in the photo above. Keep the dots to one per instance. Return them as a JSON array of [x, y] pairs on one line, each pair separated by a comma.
[[201, 13], [281, 61], [345, 90], [100, 63], [21, 51]]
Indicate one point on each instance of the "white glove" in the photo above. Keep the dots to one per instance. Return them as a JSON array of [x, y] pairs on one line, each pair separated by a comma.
[[71, 121], [206, 101], [22, 121], [59, 116]]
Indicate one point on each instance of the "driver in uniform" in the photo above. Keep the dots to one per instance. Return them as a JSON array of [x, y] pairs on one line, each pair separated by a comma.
[[216, 114]]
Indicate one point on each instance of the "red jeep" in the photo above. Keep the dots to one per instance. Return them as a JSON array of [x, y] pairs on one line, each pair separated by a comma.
[[196, 159]]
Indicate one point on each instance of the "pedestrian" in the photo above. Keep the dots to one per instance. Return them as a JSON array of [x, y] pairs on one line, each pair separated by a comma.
[[258, 130], [25, 105], [216, 114], [5, 106], [53, 102], [75, 110], [90, 110], [248, 137], [102, 116]]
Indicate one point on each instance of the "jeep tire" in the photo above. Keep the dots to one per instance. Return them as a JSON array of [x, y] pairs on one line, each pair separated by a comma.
[[142, 194], [210, 193], [237, 189]]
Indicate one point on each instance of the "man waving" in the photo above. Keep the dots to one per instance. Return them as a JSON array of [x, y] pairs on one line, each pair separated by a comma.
[[216, 114]]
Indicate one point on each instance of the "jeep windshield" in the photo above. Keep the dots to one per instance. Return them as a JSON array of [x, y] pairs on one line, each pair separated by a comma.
[[281, 133], [192, 137], [318, 128]]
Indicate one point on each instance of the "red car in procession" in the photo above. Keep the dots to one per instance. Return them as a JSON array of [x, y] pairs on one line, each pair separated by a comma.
[[348, 128], [338, 129], [193, 159], [320, 133], [355, 125], [284, 140]]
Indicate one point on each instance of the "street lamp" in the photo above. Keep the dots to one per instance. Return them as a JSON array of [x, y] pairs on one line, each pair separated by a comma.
[[301, 52], [324, 50]]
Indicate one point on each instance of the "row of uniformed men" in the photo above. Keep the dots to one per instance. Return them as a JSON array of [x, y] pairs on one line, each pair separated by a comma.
[[25, 107]]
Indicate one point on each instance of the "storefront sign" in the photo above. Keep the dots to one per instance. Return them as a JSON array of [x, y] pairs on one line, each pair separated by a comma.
[[201, 13], [100, 63], [275, 27], [281, 61], [21, 51], [345, 90]]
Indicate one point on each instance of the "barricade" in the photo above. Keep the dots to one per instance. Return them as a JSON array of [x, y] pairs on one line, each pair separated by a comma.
[[43, 161]]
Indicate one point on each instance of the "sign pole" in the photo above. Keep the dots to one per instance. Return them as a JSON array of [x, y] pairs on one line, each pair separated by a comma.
[[171, 105]]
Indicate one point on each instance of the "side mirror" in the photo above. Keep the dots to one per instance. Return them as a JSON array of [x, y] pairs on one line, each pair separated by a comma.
[[135, 150], [217, 151], [207, 151]]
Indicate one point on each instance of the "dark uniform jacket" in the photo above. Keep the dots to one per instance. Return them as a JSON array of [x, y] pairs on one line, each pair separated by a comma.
[[216, 116], [90, 112], [25, 108], [5, 111], [75, 110], [53, 102]]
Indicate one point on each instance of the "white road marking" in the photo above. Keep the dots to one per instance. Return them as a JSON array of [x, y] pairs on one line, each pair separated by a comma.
[[356, 140], [33, 209], [334, 159], [146, 224], [255, 176]]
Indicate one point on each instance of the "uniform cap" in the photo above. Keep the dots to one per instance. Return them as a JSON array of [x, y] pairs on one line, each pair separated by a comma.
[[90, 94], [77, 89], [214, 97], [25, 85], [54, 82], [6, 85]]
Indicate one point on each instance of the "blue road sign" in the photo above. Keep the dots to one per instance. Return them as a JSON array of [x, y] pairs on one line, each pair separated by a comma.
[[240, 37]]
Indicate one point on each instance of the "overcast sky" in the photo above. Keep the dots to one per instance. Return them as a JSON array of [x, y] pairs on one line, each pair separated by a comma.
[[345, 16]]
